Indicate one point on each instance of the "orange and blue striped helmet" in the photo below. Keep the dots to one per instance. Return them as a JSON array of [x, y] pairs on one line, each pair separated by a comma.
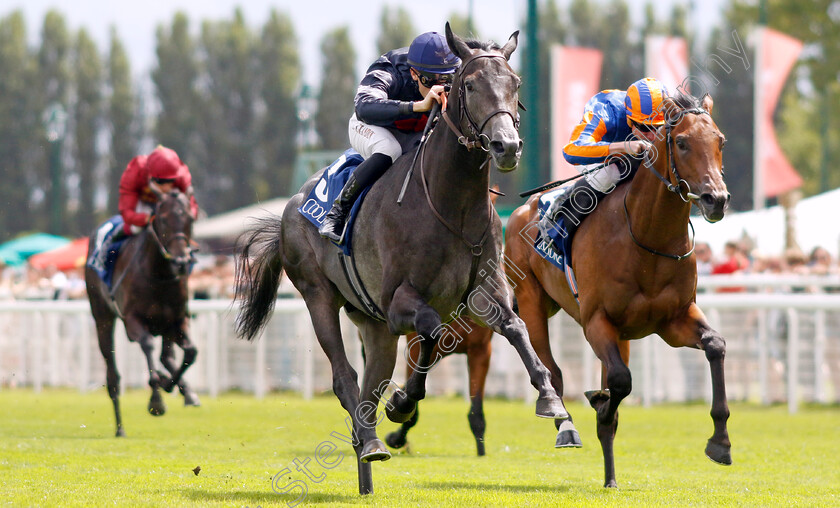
[[643, 102]]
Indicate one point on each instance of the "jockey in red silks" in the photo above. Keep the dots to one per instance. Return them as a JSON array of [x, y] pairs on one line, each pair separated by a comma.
[[164, 169]]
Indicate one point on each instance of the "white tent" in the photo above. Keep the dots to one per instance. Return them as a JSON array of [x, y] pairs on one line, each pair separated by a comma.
[[229, 225], [816, 220]]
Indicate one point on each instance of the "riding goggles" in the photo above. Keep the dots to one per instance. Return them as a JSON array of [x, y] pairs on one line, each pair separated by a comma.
[[643, 127], [429, 79]]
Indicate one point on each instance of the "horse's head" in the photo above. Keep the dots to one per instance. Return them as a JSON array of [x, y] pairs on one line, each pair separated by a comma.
[[692, 151], [486, 94], [172, 228]]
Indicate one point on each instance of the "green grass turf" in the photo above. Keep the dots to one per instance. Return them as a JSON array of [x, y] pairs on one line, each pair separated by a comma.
[[57, 448]]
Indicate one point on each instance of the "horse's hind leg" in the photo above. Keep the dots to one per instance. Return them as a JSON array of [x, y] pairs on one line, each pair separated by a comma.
[[167, 358], [616, 384], [105, 333], [478, 361]]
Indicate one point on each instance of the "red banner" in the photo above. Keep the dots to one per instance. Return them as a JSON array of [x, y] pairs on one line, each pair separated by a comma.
[[778, 54], [666, 59], [575, 74]]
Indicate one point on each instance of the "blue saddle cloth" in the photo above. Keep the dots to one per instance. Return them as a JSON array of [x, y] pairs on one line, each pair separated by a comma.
[[321, 198], [557, 248], [104, 265]]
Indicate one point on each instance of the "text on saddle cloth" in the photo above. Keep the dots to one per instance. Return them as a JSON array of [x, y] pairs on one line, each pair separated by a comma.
[[326, 191]]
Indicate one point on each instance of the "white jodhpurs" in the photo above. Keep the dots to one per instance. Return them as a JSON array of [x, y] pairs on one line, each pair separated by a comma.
[[603, 179], [370, 139]]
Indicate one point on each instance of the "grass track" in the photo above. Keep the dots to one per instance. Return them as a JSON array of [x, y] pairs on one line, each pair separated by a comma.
[[57, 449]]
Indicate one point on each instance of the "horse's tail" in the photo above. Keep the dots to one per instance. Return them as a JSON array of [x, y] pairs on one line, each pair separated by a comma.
[[258, 273]]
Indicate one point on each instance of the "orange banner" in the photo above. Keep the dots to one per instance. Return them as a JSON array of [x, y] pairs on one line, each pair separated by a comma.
[[778, 54], [575, 75]]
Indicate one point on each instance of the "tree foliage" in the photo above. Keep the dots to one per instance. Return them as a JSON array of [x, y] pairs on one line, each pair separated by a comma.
[[335, 100]]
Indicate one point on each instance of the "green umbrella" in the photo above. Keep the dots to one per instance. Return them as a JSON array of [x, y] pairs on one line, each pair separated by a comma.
[[16, 252]]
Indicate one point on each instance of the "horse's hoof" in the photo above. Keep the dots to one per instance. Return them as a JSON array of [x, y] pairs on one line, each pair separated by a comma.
[[400, 408], [120, 432], [719, 453], [191, 399], [165, 382], [479, 446], [156, 406], [395, 439], [610, 485], [551, 407], [597, 397], [374, 450], [567, 436]]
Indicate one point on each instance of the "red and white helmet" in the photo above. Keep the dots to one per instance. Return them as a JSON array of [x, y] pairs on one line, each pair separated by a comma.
[[163, 164]]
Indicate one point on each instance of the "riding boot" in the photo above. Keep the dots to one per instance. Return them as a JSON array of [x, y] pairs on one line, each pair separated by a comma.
[[363, 176], [576, 202]]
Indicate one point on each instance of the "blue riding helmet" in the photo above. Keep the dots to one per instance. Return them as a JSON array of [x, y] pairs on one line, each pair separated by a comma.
[[430, 53]]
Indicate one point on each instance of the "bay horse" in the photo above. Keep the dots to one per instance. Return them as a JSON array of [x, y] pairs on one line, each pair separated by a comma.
[[476, 344], [436, 254], [149, 294], [635, 269]]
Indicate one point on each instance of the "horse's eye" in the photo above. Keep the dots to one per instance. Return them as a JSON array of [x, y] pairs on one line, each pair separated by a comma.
[[469, 86], [682, 144]]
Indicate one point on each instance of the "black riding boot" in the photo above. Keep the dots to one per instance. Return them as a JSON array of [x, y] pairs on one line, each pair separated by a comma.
[[364, 175], [576, 202]]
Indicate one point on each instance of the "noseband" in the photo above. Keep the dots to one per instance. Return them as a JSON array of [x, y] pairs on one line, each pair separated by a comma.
[[477, 137], [163, 248]]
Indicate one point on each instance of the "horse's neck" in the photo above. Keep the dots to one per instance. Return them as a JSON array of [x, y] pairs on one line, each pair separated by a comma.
[[658, 217], [457, 178], [159, 267]]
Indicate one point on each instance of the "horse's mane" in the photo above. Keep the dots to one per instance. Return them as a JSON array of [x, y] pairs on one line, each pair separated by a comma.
[[482, 45], [685, 100]]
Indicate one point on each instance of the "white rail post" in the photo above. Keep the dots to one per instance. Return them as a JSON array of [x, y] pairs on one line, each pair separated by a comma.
[[763, 357], [819, 356], [793, 360], [211, 321], [305, 329], [37, 341], [259, 368], [647, 371], [84, 352]]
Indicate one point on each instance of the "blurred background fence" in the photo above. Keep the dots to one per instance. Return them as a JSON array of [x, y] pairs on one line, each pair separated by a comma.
[[782, 346]]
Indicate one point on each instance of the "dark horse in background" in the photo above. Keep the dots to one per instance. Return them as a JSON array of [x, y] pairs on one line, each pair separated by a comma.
[[636, 271], [431, 259], [150, 295], [476, 344]]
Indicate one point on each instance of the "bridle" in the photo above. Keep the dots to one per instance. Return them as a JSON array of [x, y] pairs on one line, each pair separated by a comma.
[[476, 137], [676, 188], [163, 249]]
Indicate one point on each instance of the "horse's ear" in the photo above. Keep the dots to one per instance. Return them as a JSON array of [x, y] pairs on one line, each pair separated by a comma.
[[456, 44], [707, 103], [510, 45]]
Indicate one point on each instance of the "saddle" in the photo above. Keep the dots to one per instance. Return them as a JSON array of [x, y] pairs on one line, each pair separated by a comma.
[[106, 249]]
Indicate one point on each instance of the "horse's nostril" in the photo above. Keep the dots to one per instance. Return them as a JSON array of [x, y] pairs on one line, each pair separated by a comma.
[[707, 199], [497, 147]]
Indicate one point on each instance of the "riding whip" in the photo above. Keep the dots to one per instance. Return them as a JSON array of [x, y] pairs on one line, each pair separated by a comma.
[[558, 183], [429, 123]]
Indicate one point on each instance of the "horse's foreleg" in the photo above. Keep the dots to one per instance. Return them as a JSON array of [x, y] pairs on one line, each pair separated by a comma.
[[718, 447], [478, 361], [616, 384], [105, 332], [167, 358], [408, 310], [549, 404], [694, 331], [137, 332], [533, 309]]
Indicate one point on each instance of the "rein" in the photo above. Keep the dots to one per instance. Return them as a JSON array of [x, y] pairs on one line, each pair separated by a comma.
[[676, 188]]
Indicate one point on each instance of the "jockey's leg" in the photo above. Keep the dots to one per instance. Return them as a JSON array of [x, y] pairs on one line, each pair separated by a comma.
[[380, 149], [585, 195]]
